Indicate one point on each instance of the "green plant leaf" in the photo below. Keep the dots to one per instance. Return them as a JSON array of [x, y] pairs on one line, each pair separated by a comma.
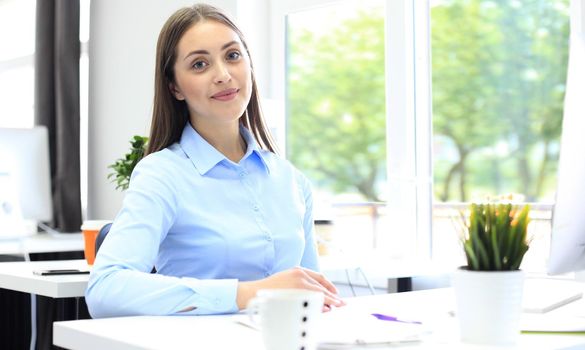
[[123, 167], [496, 237]]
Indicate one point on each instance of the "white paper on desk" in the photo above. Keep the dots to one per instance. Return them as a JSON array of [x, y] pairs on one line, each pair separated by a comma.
[[542, 295], [343, 327]]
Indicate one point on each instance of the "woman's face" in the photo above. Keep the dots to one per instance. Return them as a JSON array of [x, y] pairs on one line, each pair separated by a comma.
[[212, 73]]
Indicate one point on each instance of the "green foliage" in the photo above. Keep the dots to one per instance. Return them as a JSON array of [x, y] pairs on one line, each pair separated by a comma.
[[496, 237], [336, 119], [498, 82], [498, 89], [122, 168]]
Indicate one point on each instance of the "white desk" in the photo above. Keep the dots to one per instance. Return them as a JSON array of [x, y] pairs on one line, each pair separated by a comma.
[[19, 276], [222, 332], [42, 243]]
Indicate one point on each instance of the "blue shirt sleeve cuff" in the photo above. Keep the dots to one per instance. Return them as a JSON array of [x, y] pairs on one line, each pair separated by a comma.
[[211, 296]]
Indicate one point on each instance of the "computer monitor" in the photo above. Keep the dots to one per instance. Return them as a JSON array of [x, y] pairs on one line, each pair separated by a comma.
[[25, 172], [567, 253]]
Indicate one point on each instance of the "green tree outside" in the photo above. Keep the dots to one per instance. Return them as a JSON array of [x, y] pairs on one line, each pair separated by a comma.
[[499, 71], [336, 117], [498, 74]]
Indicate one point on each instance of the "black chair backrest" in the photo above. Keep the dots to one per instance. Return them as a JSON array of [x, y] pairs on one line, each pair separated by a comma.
[[101, 236]]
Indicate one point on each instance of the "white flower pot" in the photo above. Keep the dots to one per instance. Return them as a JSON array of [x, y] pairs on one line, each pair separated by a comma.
[[488, 305]]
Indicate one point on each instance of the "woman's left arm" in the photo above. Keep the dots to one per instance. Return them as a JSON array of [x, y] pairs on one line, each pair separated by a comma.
[[310, 259]]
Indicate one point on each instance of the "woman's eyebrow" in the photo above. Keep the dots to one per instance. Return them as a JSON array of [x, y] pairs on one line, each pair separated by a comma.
[[205, 52], [225, 46]]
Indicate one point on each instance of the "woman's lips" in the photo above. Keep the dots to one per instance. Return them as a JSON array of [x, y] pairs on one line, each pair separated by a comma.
[[225, 95]]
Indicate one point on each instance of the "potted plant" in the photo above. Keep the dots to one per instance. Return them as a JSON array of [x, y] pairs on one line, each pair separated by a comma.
[[489, 288], [122, 168]]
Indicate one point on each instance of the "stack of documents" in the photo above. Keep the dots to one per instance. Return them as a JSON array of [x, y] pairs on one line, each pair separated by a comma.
[[552, 323]]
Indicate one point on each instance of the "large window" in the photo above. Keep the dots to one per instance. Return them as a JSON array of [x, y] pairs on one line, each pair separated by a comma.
[[358, 79], [498, 80]]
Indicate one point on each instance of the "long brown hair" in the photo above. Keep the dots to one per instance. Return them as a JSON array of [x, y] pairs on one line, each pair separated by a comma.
[[170, 115]]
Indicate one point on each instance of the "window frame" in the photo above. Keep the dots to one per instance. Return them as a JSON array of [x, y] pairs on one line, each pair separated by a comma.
[[577, 16]]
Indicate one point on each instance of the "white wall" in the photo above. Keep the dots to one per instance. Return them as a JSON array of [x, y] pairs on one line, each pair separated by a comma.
[[252, 17], [122, 46]]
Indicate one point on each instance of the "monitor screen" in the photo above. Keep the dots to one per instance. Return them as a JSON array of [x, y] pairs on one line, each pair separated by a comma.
[[25, 174], [567, 252]]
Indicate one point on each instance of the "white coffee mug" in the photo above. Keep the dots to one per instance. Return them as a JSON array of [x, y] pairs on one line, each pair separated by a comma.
[[288, 318]]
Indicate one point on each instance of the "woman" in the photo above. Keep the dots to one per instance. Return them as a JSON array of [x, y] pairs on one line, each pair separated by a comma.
[[212, 207]]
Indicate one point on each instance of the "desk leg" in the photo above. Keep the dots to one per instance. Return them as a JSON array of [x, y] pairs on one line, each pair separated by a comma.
[[404, 284], [361, 271], [349, 282], [77, 309]]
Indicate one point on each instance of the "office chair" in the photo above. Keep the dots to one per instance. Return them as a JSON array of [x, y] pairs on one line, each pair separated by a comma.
[[101, 236]]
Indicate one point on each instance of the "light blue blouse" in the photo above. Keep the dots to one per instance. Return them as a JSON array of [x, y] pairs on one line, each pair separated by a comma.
[[205, 223]]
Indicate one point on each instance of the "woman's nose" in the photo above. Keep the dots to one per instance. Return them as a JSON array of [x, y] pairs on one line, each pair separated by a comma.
[[222, 75]]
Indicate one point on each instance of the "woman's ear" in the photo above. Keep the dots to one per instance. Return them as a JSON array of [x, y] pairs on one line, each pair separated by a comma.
[[178, 95]]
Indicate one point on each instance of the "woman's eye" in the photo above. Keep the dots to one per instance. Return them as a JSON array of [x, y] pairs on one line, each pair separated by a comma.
[[233, 56], [199, 65]]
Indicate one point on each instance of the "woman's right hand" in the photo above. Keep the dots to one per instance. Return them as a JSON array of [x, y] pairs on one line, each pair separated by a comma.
[[295, 278]]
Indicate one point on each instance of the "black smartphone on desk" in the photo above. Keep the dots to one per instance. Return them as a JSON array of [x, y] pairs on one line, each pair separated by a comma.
[[60, 272]]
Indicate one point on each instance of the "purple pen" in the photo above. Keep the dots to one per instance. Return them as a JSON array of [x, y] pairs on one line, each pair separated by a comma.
[[393, 318]]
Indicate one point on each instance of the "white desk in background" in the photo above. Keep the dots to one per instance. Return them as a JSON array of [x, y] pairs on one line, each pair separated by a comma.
[[432, 307], [18, 276], [41, 243]]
